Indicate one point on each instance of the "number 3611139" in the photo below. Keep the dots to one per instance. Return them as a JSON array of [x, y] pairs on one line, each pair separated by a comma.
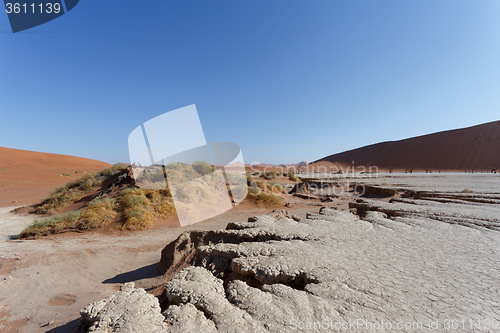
[[24, 8]]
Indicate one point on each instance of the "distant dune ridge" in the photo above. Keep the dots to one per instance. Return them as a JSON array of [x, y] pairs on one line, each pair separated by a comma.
[[27, 176], [475, 148]]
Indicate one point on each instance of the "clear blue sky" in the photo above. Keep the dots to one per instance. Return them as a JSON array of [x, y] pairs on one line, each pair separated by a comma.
[[287, 80]]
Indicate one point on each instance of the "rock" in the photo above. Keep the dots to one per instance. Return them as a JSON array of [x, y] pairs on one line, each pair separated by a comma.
[[187, 318], [197, 286], [279, 213], [327, 210], [299, 188], [128, 311], [373, 190], [119, 180], [176, 253], [471, 214]]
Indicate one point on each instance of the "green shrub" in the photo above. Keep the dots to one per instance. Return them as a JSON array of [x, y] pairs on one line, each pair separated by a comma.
[[52, 225], [74, 190]]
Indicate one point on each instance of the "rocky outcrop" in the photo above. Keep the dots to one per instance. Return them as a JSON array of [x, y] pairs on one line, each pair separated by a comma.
[[373, 190], [129, 310], [453, 211], [187, 318], [182, 251]]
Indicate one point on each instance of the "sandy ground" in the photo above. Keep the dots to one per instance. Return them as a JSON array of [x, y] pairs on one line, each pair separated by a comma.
[[46, 282]]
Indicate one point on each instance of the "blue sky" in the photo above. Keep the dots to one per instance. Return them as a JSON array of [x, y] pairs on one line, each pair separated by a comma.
[[287, 80]]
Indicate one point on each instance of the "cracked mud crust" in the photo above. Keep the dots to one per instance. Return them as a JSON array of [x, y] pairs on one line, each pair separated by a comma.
[[414, 261]]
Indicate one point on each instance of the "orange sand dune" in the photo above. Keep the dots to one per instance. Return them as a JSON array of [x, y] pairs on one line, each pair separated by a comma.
[[31, 176], [472, 148]]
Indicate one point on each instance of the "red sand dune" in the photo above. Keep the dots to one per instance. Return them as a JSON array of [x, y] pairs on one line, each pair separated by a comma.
[[31, 176], [472, 148]]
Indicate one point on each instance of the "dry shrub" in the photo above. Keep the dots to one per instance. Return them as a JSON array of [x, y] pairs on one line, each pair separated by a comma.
[[239, 192], [134, 197], [165, 209], [193, 192], [99, 213], [135, 209], [202, 168], [179, 173], [138, 217], [156, 196], [271, 174], [142, 206], [161, 201], [275, 187], [251, 178], [154, 176], [268, 187], [293, 177], [235, 177], [264, 199]]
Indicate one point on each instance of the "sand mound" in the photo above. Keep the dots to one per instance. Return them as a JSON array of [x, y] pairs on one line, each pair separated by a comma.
[[113, 199], [473, 148], [26, 176]]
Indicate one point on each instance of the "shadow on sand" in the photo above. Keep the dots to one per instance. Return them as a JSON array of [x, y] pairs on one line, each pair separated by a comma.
[[66, 328], [146, 272]]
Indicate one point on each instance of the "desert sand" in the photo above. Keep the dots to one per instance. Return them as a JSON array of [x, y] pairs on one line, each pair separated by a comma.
[[29, 176], [474, 148]]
